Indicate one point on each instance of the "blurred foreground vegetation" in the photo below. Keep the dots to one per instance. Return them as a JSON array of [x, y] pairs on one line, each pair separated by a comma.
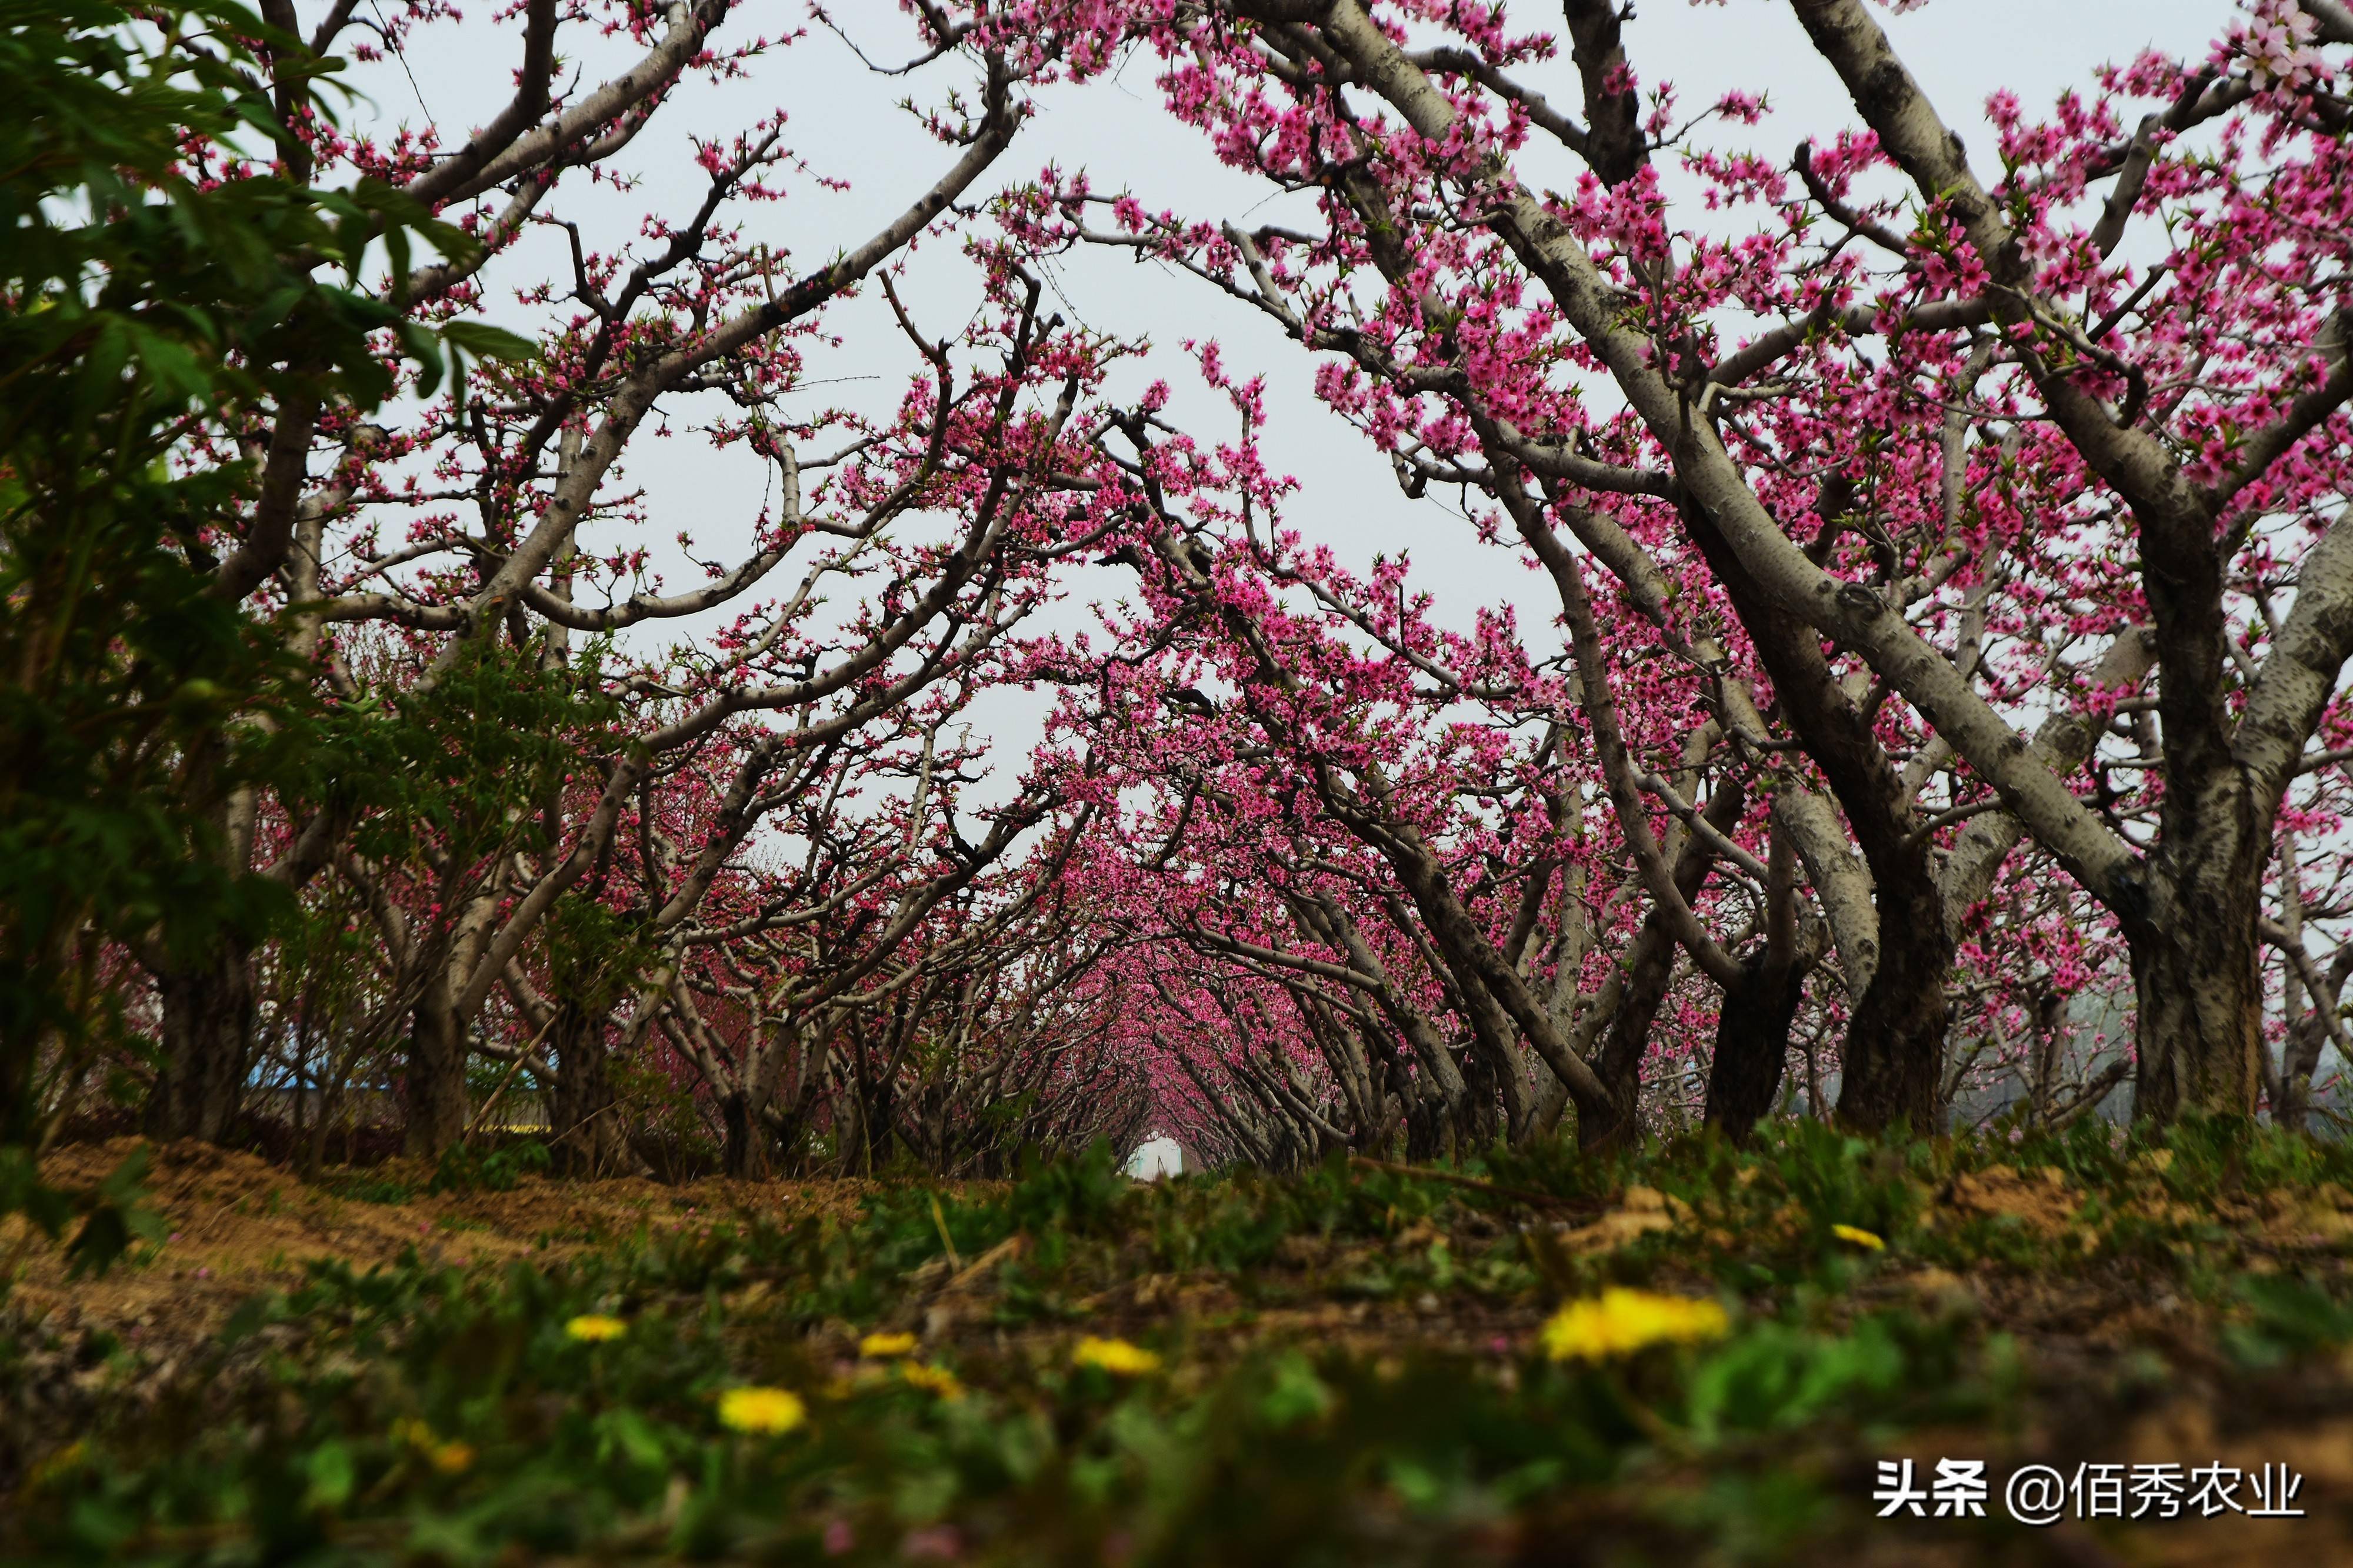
[[1351, 1366]]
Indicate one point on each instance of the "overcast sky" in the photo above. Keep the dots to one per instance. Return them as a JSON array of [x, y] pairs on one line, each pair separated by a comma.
[[845, 122]]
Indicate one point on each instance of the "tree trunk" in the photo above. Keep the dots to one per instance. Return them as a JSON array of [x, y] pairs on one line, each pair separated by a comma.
[[1892, 1062], [2307, 1037], [1475, 1122], [2198, 1035], [1464, 948], [434, 1085], [878, 1122], [1426, 1118], [1752, 1045], [1649, 969], [1650, 972], [1893, 1059], [1494, 1039], [2299, 1059], [207, 1044], [587, 1135], [745, 1151]]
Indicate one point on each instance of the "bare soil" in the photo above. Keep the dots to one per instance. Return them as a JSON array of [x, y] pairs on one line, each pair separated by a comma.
[[241, 1226]]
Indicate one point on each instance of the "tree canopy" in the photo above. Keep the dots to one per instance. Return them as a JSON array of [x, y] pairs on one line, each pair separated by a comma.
[[1940, 706]]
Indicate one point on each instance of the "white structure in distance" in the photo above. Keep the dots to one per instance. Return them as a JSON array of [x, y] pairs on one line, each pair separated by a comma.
[[1155, 1157]]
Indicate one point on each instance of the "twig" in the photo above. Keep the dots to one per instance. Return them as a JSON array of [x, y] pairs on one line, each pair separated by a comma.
[[956, 1264], [513, 1067], [1013, 1245]]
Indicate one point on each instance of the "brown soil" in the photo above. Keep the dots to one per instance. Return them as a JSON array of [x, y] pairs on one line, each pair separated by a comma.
[[239, 1225]]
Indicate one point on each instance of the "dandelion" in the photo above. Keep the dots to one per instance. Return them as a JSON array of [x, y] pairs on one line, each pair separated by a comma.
[[1857, 1237], [884, 1347], [761, 1410], [595, 1328], [1621, 1321], [936, 1380], [1116, 1357]]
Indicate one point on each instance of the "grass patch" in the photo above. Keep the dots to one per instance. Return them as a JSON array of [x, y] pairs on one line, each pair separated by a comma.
[[1346, 1367]]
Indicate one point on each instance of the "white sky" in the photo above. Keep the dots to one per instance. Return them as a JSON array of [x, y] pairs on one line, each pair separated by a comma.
[[1155, 1157], [845, 123]]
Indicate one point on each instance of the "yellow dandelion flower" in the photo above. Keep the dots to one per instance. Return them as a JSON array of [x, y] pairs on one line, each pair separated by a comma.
[[761, 1410], [883, 1347], [1116, 1357], [595, 1328], [1858, 1237], [938, 1380], [452, 1459], [1621, 1321]]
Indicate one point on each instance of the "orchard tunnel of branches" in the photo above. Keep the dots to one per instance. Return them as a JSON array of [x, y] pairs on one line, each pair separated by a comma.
[[1937, 706]]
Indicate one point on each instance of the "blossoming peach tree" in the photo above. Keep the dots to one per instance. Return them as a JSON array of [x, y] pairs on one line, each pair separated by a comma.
[[528, 819], [1951, 607], [1992, 507]]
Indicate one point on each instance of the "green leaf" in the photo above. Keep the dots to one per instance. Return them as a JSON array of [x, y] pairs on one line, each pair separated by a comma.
[[332, 1474], [1294, 1394], [485, 341], [626, 1432]]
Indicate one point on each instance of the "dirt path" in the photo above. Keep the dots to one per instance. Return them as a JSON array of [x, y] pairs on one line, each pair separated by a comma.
[[239, 1225]]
